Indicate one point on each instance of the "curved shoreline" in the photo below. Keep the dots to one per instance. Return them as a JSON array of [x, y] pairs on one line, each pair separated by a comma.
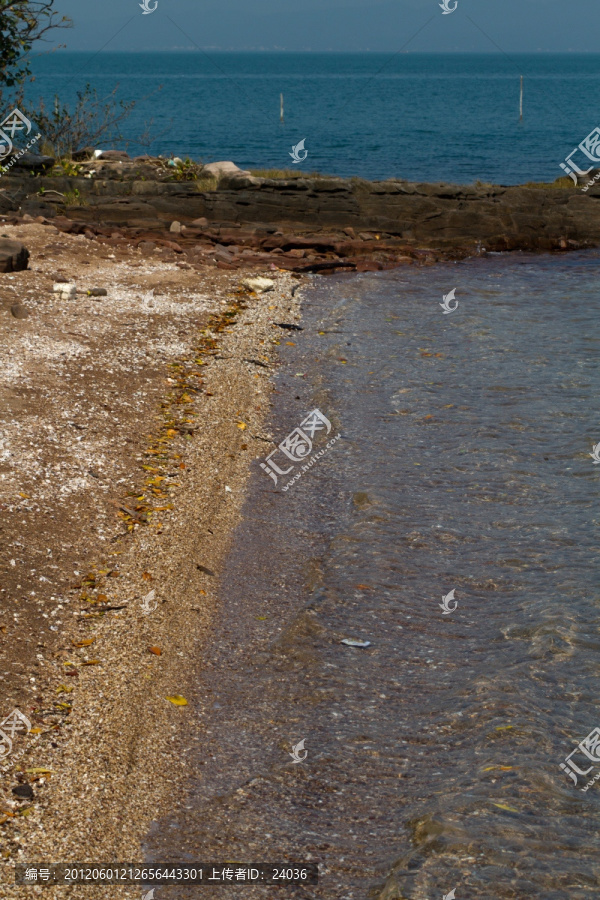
[[111, 760]]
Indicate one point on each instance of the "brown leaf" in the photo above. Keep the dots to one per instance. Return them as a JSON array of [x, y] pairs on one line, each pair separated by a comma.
[[156, 650]]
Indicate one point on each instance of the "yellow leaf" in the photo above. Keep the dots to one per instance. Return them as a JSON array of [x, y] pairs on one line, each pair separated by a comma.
[[504, 806], [85, 643], [24, 496], [40, 770], [502, 768], [36, 731], [178, 700], [63, 689], [91, 662], [504, 727], [242, 425]]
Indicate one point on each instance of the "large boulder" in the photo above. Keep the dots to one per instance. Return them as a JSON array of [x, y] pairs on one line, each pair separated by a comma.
[[14, 256], [119, 155], [83, 155], [219, 169], [33, 162]]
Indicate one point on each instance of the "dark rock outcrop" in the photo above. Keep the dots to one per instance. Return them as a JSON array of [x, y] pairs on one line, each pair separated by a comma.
[[289, 222], [33, 162], [14, 256]]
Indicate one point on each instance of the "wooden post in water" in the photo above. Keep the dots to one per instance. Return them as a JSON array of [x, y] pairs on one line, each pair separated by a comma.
[[521, 102], [281, 108]]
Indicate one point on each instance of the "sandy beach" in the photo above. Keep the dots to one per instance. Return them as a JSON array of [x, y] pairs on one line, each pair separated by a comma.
[[129, 424]]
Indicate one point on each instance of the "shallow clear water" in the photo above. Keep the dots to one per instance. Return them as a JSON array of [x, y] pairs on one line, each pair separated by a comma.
[[424, 116], [434, 754]]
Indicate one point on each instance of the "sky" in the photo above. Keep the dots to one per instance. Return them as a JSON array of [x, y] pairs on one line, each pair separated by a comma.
[[511, 26]]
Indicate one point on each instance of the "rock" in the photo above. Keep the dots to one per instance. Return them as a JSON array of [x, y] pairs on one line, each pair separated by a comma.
[[63, 223], [200, 223], [222, 253], [219, 169], [34, 162], [239, 181], [23, 792], [19, 311], [175, 227], [65, 290], [171, 245], [146, 246], [97, 292], [83, 155], [259, 285], [114, 154], [14, 257]]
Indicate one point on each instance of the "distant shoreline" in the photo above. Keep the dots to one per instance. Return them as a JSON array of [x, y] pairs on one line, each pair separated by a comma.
[[284, 52]]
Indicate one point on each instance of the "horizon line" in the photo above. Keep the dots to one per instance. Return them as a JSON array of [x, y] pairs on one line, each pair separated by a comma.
[[284, 50]]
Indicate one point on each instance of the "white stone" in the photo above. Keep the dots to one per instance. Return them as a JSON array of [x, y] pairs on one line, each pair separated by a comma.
[[65, 290], [260, 285], [218, 169]]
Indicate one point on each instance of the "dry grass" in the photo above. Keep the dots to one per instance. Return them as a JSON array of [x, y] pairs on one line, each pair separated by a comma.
[[285, 173], [559, 185], [207, 183]]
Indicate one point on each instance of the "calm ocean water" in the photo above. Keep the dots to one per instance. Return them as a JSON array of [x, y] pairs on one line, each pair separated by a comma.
[[464, 464], [429, 117]]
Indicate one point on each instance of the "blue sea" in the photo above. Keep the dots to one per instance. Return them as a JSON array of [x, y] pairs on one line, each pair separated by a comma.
[[426, 117]]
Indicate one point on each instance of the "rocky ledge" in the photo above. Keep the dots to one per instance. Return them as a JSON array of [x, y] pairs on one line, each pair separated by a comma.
[[220, 215]]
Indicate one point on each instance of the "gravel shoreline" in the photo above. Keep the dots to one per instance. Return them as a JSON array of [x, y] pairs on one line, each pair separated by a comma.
[[112, 750]]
